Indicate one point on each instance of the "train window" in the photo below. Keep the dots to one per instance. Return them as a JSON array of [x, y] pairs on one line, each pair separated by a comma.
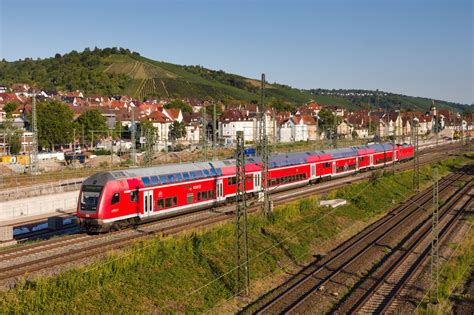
[[154, 180], [206, 172], [189, 198], [115, 199], [199, 196], [204, 195], [193, 175], [200, 175], [219, 171], [186, 176], [249, 178], [327, 164], [146, 181], [231, 181], [169, 202], [171, 178], [293, 178], [210, 194], [304, 175], [179, 177], [163, 179], [213, 172], [175, 201], [134, 195], [160, 204]]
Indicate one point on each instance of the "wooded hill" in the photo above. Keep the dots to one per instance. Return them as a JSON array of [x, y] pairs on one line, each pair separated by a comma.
[[116, 71]]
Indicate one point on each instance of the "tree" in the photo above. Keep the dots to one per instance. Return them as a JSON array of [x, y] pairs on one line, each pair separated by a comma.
[[185, 108], [326, 118], [177, 131], [9, 108], [14, 142], [355, 135], [55, 124], [92, 120]]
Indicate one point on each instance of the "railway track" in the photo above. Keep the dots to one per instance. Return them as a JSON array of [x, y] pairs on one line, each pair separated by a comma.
[[31, 258], [294, 296], [382, 295], [433, 155]]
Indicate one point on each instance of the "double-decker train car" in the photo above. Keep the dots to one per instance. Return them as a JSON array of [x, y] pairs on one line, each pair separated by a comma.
[[116, 199]]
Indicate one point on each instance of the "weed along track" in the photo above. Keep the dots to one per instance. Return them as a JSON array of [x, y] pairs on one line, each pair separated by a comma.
[[321, 284], [43, 255]]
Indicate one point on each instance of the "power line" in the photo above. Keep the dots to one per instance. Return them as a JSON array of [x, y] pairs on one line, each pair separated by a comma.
[[242, 255]]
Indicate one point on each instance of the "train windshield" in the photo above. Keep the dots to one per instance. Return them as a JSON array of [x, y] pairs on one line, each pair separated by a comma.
[[90, 197]]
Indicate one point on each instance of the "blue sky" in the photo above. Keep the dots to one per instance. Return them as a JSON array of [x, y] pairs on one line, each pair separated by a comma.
[[414, 47]]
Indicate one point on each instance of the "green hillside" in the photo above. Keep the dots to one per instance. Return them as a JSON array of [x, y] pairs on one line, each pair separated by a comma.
[[115, 71]]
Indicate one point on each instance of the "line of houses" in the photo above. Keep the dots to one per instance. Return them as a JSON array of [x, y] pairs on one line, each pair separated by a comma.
[[303, 124]]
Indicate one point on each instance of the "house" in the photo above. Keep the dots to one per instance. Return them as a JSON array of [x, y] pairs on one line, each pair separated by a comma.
[[234, 120], [344, 129], [294, 129], [175, 114], [162, 124]]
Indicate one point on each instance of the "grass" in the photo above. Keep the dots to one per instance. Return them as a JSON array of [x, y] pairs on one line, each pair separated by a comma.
[[193, 272]]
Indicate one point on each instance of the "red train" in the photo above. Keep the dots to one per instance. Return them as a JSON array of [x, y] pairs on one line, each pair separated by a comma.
[[116, 199]]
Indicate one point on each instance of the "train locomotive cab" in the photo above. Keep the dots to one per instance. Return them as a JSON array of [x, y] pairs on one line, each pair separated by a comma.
[[91, 203]]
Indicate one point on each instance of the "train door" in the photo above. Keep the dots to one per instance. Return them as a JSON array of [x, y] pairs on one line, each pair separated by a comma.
[[357, 163], [219, 190], [334, 167], [257, 181], [147, 203], [395, 156], [313, 171], [371, 159]]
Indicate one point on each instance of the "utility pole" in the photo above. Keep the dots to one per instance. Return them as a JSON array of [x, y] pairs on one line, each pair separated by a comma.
[[416, 159], [436, 121], [242, 255], [435, 239], [204, 133], [111, 149], [74, 145], [334, 144], [370, 118], [83, 140], [133, 149], [214, 129], [34, 154], [264, 152]]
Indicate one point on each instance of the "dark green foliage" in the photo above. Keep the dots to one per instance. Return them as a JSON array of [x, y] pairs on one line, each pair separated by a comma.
[[55, 124], [385, 100], [9, 108], [15, 142], [73, 71], [177, 130], [91, 120], [179, 104]]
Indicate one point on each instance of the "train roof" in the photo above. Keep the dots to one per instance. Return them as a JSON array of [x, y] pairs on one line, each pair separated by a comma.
[[198, 170]]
